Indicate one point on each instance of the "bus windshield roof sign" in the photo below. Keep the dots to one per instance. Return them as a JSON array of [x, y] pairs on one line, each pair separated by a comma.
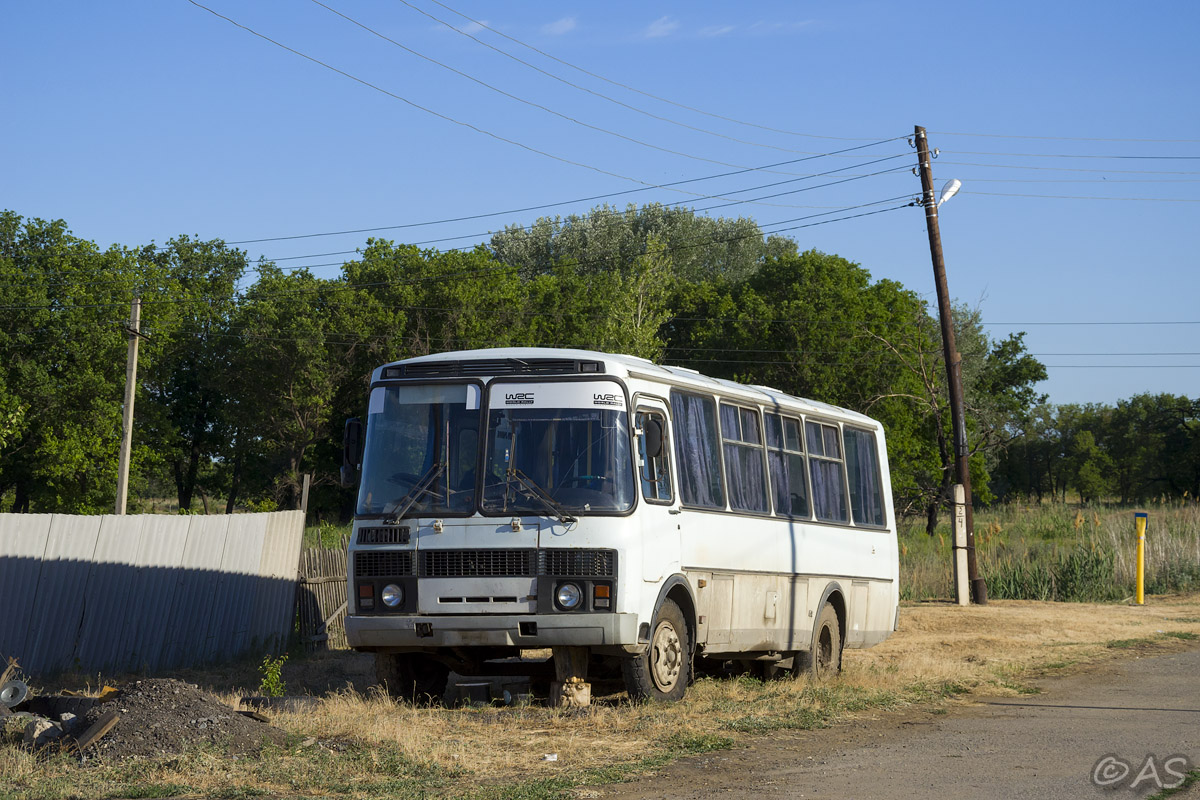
[[573, 394]]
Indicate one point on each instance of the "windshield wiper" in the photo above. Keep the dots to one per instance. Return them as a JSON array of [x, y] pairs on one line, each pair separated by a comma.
[[421, 487], [535, 492]]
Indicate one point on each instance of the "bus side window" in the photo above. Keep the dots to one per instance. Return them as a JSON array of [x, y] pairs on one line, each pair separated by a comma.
[[654, 471], [785, 455], [825, 464], [862, 465]]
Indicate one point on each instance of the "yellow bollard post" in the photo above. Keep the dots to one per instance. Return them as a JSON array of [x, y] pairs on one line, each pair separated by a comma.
[[1139, 524]]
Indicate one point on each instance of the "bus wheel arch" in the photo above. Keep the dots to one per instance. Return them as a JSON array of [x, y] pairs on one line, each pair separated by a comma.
[[677, 589], [666, 668]]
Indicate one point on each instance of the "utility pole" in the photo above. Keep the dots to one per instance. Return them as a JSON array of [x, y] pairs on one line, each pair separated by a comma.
[[134, 332], [953, 359]]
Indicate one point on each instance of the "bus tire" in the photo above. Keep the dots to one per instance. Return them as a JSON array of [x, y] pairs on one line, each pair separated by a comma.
[[824, 658], [414, 677], [664, 670]]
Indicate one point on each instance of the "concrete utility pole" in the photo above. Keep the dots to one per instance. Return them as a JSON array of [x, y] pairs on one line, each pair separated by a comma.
[[953, 359], [134, 332]]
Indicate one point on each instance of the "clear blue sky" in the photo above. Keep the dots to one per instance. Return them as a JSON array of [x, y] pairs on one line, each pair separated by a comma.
[[142, 120]]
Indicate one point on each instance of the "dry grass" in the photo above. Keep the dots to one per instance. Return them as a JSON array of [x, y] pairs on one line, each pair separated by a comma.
[[368, 746], [990, 646]]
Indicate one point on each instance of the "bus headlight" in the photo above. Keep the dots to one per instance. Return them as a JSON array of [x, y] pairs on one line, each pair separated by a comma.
[[568, 596], [392, 595]]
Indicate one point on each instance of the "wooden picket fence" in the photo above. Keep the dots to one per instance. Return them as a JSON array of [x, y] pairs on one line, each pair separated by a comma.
[[321, 598]]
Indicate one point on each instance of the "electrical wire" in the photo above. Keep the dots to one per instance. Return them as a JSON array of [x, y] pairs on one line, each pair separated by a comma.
[[601, 95], [1087, 197], [616, 218], [533, 104], [618, 83], [1068, 169], [523, 100], [1067, 138], [869, 358], [496, 268], [1070, 155], [1073, 180], [447, 118]]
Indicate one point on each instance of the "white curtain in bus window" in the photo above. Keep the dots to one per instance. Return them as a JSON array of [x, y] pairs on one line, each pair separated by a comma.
[[745, 472], [696, 454], [862, 465], [785, 455], [825, 459]]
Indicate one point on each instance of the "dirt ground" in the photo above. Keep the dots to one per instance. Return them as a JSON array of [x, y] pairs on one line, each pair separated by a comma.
[[1039, 747], [940, 663]]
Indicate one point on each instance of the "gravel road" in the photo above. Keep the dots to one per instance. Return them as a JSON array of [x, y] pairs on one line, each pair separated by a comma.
[[1042, 746]]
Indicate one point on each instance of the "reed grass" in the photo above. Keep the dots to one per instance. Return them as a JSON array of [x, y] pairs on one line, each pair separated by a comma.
[[1060, 552]]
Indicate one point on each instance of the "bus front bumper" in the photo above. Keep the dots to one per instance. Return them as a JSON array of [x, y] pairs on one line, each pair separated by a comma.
[[484, 630]]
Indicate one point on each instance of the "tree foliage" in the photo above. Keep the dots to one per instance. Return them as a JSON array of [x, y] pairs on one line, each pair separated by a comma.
[[1144, 447], [248, 372]]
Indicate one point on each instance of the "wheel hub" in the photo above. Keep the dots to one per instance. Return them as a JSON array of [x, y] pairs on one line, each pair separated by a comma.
[[666, 657]]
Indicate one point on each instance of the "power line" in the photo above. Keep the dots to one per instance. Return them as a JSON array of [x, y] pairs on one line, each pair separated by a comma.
[[1067, 169], [1075, 180], [496, 268], [1071, 155], [1067, 138], [447, 118], [1087, 197], [868, 358], [1101, 322], [613, 82], [533, 104], [616, 218], [520, 99]]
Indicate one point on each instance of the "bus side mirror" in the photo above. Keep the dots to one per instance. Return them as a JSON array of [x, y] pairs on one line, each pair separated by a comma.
[[652, 429], [351, 451]]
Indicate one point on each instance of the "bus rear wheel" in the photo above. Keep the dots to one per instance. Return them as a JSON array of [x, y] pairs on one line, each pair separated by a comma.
[[824, 658], [414, 677], [665, 669]]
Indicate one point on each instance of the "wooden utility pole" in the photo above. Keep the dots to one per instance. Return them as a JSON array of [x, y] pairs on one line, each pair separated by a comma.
[[953, 359], [134, 332]]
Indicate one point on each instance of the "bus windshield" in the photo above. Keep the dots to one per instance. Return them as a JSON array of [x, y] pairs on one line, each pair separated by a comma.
[[558, 450], [421, 451]]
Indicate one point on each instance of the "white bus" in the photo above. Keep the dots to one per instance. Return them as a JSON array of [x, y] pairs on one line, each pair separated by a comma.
[[527, 498]]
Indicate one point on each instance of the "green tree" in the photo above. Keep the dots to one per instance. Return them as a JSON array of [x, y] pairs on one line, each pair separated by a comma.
[[286, 370], [62, 307], [185, 367], [608, 238], [1091, 468]]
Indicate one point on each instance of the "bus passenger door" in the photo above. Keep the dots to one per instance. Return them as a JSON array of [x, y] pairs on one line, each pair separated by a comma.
[[659, 507]]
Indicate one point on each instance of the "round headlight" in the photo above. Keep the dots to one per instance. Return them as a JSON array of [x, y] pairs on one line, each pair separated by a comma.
[[568, 596], [393, 595]]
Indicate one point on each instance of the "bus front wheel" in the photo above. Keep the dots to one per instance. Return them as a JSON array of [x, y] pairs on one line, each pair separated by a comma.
[[664, 670], [414, 677]]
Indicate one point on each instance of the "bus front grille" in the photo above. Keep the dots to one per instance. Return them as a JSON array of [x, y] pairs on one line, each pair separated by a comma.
[[493, 563], [477, 563], [578, 563], [383, 563]]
